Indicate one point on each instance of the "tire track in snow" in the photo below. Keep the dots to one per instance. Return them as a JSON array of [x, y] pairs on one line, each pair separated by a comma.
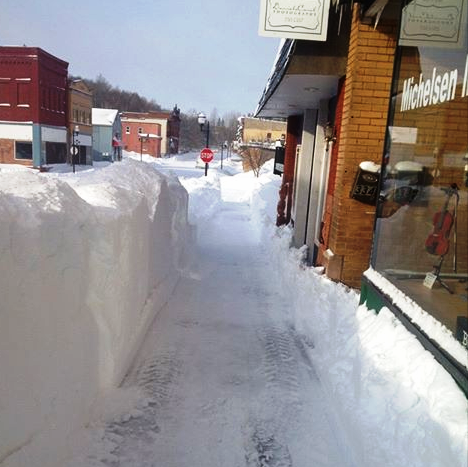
[[267, 451], [280, 364], [157, 377], [267, 442], [292, 401]]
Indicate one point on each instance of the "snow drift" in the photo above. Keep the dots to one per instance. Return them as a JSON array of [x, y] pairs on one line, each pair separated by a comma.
[[396, 404], [86, 261]]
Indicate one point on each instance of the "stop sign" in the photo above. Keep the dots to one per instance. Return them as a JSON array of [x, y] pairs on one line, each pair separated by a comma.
[[206, 155]]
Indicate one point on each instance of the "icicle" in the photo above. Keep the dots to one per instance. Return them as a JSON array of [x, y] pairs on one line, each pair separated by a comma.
[[377, 18], [341, 16]]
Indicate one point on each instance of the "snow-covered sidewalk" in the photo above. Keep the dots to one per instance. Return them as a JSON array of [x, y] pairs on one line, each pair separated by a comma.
[[253, 359], [226, 379]]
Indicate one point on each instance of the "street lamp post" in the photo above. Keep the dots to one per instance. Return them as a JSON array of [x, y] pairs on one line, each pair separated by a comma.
[[75, 144], [142, 139], [141, 148], [202, 121]]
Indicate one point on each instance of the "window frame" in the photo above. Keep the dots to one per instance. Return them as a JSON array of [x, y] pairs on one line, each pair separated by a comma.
[[16, 151]]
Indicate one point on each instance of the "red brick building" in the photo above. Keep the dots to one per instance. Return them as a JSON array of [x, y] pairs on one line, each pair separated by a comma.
[[162, 127], [141, 132], [33, 107]]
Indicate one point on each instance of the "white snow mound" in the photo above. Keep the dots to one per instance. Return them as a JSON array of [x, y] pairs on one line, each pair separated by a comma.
[[86, 261]]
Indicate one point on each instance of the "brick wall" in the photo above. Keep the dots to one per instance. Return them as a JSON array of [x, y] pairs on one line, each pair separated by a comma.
[[330, 197], [7, 154], [132, 141], [364, 118]]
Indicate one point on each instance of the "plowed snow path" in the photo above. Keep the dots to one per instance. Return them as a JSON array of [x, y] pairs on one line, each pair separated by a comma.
[[229, 380]]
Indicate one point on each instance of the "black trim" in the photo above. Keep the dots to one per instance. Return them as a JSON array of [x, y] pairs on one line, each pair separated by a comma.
[[458, 372], [277, 75]]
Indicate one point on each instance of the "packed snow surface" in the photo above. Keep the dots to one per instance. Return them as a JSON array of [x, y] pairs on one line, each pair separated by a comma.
[[235, 353]]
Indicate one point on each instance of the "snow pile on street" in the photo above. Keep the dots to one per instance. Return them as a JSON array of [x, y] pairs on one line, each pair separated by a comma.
[[205, 196], [398, 406], [86, 261]]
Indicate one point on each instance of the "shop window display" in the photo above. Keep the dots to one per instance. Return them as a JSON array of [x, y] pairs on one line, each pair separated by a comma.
[[421, 241]]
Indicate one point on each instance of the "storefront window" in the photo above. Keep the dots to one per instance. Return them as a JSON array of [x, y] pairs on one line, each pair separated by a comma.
[[420, 243], [23, 150]]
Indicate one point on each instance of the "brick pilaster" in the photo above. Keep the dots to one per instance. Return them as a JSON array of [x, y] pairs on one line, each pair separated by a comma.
[[361, 138]]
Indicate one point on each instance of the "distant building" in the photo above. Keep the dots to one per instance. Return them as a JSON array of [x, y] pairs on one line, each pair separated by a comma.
[[142, 133], [107, 132], [80, 104], [164, 126], [256, 139], [260, 131], [33, 107], [173, 132]]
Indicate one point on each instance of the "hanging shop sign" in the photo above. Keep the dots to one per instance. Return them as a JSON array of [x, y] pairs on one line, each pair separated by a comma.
[[435, 24], [294, 19]]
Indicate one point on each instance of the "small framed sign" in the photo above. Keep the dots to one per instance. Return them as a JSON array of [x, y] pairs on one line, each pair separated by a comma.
[[295, 19], [429, 280], [434, 24], [365, 187]]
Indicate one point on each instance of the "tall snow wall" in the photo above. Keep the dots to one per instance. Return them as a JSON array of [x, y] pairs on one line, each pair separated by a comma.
[[86, 262]]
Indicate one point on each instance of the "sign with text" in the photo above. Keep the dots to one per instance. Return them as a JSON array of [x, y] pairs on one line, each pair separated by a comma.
[[435, 24], [294, 19], [365, 187], [206, 155], [435, 88]]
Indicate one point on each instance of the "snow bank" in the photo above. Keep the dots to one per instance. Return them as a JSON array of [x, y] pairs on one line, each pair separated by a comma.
[[86, 261], [264, 197], [205, 196], [397, 405]]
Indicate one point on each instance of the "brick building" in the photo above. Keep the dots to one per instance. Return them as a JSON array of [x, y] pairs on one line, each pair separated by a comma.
[[375, 147], [260, 130], [256, 140], [141, 132], [80, 104], [341, 86], [160, 130], [33, 107]]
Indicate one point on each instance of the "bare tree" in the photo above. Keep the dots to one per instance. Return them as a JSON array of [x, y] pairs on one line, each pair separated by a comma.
[[254, 157], [221, 130]]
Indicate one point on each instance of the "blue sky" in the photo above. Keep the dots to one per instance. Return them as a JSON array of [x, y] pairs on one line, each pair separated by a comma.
[[199, 54]]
